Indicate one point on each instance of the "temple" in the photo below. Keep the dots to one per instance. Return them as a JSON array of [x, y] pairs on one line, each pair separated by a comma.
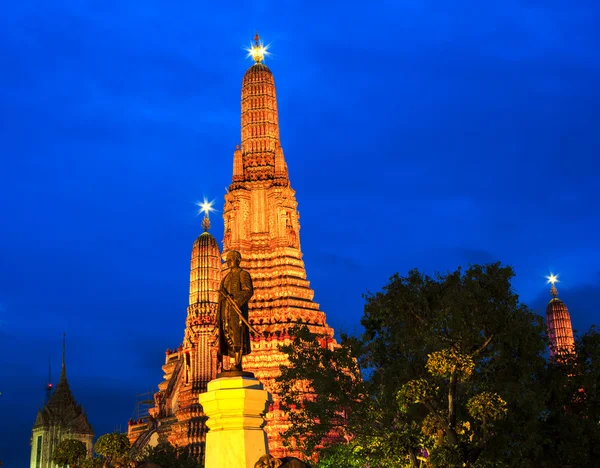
[[176, 416], [558, 321], [60, 418], [262, 223]]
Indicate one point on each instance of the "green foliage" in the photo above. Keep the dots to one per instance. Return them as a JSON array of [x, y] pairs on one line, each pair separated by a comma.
[[415, 391], [69, 452], [318, 387], [569, 428], [92, 463], [452, 367], [112, 446], [486, 406], [347, 455], [167, 456], [448, 362]]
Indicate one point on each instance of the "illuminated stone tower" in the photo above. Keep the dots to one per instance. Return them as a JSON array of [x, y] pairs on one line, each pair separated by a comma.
[[261, 222], [177, 416], [60, 418], [558, 321]]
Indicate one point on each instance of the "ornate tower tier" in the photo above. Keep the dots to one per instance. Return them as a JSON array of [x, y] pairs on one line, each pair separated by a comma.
[[558, 321], [262, 223], [177, 417]]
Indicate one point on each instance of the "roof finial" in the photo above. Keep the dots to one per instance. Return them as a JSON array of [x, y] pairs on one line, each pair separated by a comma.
[[64, 349], [258, 51], [206, 223], [553, 279], [49, 384], [63, 371]]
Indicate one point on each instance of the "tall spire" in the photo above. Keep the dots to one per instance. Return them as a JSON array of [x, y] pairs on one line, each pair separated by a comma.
[[260, 124], [63, 371], [558, 321], [262, 223], [205, 264], [49, 384]]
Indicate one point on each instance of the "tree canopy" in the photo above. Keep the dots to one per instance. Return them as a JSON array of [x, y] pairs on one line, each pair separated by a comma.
[[93, 463], [113, 446], [450, 370], [69, 452], [168, 456]]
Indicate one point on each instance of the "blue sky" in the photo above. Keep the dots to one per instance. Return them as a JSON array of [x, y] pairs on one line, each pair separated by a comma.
[[418, 135]]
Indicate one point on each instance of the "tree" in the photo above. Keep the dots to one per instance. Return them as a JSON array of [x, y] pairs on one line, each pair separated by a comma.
[[569, 429], [320, 383], [114, 447], [92, 463], [450, 368], [69, 452], [168, 456]]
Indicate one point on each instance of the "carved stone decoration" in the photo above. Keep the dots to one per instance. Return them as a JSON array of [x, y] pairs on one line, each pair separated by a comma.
[[262, 233], [292, 237], [281, 290], [179, 417]]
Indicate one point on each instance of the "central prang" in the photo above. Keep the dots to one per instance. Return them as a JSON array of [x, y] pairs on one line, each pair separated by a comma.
[[232, 316]]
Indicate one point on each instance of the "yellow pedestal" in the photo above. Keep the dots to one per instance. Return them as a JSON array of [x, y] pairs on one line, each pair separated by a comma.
[[235, 407]]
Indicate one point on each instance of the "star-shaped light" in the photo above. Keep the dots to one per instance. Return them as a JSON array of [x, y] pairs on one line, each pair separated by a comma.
[[258, 51], [552, 279], [205, 206]]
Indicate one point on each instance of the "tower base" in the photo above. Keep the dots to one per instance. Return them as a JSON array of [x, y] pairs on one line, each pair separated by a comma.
[[235, 407]]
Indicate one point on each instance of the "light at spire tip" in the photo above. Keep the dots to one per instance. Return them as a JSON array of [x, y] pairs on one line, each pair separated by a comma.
[[258, 51], [553, 279], [205, 206]]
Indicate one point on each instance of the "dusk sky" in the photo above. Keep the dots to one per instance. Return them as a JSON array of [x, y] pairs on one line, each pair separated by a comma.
[[428, 134]]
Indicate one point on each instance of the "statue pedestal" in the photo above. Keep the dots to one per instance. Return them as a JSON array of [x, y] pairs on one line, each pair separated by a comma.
[[235, 407]]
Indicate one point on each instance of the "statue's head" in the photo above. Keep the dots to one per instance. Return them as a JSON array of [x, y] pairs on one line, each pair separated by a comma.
[[233, 258], [267, 461]]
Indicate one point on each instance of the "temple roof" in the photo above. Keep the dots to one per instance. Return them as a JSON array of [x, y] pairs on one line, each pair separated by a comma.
[[258, 68], [62, 409]]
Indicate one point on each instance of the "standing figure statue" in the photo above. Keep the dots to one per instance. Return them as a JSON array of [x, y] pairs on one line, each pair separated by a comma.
[[232, 316]]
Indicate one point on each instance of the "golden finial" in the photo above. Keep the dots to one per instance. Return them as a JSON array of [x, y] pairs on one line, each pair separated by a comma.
[[258, 51], [205, 207], [206, 223], [553, 279]]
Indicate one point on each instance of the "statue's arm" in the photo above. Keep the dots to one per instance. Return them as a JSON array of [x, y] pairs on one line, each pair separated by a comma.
[[220, 299], [246, 289]]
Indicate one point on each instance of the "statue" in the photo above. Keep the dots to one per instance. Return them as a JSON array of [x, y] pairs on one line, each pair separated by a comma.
[[269, 461], [232, 315]]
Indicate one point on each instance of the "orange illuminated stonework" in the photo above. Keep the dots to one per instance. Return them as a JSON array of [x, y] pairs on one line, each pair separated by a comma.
[[261, 222], [560, 330], [177, 416]]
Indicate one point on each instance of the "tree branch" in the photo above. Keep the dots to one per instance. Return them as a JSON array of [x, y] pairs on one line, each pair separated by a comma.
[[452, 436], [483, 346]]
